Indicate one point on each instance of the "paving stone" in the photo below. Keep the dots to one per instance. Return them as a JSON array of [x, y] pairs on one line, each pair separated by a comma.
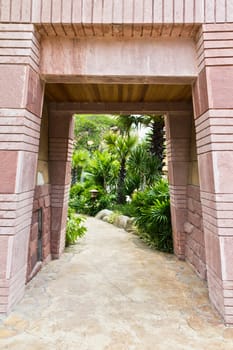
[[111, 292]]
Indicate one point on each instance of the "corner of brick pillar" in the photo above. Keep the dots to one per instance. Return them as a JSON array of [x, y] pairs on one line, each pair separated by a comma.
[[61, 127], [21, 102], [213, 105], [178, 134]]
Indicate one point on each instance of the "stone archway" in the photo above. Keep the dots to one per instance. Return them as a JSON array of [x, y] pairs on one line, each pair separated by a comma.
[[157, 47]]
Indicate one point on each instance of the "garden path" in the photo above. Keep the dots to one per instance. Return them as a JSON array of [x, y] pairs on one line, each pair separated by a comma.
[[111, 292]]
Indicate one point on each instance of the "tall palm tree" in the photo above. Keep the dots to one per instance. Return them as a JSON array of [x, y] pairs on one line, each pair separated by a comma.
[[80, 159], [121, 145], [156, 136], [127, 122], [104, 168]]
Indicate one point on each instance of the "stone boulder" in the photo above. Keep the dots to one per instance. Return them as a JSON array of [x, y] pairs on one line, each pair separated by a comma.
[[103, 213], [121, 221]]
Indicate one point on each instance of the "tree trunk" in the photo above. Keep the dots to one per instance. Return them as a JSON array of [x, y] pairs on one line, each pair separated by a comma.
[[121, 183], [74, 176], [157, 139]]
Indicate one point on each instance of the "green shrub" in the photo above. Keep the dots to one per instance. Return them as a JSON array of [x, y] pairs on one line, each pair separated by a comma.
[[125, 209], [152, 216], [77, 189], [74, 227], [83, 203]]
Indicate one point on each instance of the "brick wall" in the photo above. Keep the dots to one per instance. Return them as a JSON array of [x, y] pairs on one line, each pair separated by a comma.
[[195, 245], [125, 11], [41, 200]]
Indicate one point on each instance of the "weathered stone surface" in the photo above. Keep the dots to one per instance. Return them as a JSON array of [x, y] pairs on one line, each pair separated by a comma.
[[103, 213], [111, 292], [121, 221], [130, 225]]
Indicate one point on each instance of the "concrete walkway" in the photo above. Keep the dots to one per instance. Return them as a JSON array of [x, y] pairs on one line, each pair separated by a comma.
[[110, 292]]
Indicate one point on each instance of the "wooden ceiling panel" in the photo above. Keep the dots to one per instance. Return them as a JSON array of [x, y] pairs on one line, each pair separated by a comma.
[[117, 93]]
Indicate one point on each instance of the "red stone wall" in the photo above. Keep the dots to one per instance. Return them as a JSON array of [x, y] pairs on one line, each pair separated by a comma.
[[41, 200], [213, 112], [21, 95], [193, 227], [107, 12], [195, 244]]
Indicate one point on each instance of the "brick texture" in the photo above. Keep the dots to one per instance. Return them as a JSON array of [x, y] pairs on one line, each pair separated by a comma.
[[41, 200], [213, 122], [91, 12], [195, 243], [21, 94], [60, 153], [178, 136]]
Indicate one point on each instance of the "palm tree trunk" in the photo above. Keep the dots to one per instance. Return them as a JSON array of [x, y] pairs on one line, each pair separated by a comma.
[[157, 139], [74, 176], [121, 183]]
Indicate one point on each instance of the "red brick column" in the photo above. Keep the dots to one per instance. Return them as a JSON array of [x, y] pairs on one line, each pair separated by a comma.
[[213, 101], [60, 153], [178, 134], [21, 95]]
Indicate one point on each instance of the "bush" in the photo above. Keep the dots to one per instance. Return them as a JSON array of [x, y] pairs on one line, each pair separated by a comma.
[[152, 216], [125, 209], [82, 202], [74, 227]]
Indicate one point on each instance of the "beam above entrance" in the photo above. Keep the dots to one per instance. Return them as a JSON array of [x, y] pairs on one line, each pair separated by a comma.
[[122, 107], [144, 59]]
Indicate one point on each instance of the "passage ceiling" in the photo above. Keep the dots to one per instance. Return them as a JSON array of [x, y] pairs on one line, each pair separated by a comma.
[[117, 93]]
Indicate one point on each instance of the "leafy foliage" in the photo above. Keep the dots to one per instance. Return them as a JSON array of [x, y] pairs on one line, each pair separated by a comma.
[[89, 130], [103, 169], [153, 217], [80, 160], [121, 145], [143, 169], [82, 202], [110, 159], [74, 227], [126, 123], [155, 138]]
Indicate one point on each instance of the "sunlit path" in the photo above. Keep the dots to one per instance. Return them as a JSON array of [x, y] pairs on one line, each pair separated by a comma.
[[110, 292]]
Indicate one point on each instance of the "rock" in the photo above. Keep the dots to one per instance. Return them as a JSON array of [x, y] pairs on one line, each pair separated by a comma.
[[121, 221], [101, 214], [130, 225], [106, 218]]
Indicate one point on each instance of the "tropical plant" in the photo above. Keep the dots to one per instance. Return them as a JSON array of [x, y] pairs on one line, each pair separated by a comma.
[[153, 218], [155, 138], [126, 123], [89, 130], [142, 169], [103, 170], [121, 145], [74, 227], [80, 160]]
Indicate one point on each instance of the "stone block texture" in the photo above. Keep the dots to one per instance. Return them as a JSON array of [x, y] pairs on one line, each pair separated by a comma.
[[60, 153], [213, 121], [21, 94], [195, 243], [41, 201], [203, 30], [178, 136]]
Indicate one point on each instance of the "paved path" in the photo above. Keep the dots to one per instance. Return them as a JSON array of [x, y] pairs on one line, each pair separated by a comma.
[[110, 292]]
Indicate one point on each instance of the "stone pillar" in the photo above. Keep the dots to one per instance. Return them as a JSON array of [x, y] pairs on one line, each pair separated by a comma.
[[178, 134], [213, 102], [21, 97], [60, 154]]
